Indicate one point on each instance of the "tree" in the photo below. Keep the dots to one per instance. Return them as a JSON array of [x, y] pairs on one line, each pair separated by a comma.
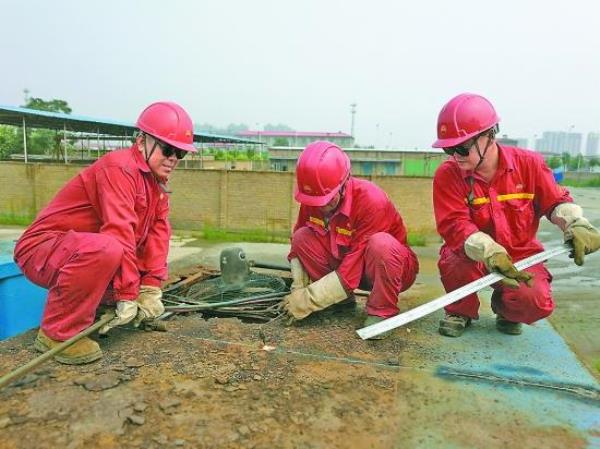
[[277, 127], [593, 162], [566, 159], [45, 141], [230, 130], [54, 105], [10, 141], [577, 162], [281, 142], [554, 162]]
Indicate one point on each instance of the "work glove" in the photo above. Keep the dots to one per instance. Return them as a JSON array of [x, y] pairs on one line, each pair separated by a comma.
[[584, 238], [502, 263], [125, 312], [149, 304], [317, 296], [481, 247], [300, 277]]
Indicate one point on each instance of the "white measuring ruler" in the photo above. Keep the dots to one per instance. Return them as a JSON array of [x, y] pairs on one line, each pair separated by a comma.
[[425, 309]]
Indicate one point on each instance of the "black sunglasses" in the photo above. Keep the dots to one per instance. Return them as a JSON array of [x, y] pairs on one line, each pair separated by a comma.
[[462, 149], [169, 150]]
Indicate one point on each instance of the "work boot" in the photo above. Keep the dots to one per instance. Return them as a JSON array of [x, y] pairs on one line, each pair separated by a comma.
[[454, 325], [508, 327], [83, 351], [372, 319]]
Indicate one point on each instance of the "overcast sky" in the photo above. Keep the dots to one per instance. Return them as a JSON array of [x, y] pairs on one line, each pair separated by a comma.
[[304, 62]]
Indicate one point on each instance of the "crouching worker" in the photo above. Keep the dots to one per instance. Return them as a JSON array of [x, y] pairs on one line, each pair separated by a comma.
[[348, 233], [488, 200], [105, 236]]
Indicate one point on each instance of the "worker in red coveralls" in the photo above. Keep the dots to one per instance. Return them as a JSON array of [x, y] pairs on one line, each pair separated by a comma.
[[105, 236], [348, 233], [488, 200]]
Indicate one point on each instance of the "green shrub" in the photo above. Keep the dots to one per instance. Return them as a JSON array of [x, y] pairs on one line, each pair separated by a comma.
[[251, 235], [416, 239], [594, 182], [12, 219]]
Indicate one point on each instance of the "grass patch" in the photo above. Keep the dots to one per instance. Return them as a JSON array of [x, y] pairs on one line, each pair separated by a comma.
[[416, 239], [250, 235], [260, 236], [18, 220], [597, 365], [594, 182]]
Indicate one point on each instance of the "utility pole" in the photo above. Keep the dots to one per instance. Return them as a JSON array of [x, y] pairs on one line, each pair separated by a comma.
[[353, 112]]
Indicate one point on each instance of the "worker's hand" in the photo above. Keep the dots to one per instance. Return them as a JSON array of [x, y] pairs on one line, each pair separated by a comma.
[[297, 305], [585, 240], [317, 296], [300, 277], [149, 304], [502, 263], [125, 312]]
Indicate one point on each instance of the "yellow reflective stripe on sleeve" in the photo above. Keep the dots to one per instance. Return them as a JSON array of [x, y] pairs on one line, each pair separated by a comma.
[[343, 231], [478, 201], [505, 197], [516, 196], [317, 221]]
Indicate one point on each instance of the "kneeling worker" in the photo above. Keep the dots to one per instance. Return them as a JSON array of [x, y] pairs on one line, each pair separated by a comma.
[[105, 236], [348, 234], [488, 199]]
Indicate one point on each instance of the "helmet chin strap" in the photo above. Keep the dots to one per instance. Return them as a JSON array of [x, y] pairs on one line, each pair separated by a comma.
[[148, 156], [482, 156]]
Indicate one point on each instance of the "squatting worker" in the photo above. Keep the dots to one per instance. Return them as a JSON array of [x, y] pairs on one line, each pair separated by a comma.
[[105, 236], [348, 234], [488, 199]]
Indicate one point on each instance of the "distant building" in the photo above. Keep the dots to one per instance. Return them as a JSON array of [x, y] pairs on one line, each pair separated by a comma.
[[512, 141], [505, 140], [558, 142], [370, 162], [297, 138], [522, 142], [592, 146]]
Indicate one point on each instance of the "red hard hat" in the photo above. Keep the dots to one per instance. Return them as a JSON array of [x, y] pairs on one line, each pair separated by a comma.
[[167, 121], [321, 171], [463, 117]]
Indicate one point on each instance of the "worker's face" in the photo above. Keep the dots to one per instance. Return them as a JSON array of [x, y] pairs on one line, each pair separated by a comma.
[[470, 161], [163, 159], [332, 205]]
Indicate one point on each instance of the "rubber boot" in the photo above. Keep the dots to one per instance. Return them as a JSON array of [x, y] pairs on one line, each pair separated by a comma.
[[83, 351], [454, 325], [372, 319], [508, 327]]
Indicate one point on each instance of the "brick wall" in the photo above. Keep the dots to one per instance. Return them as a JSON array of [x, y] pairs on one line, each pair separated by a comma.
[[234, 200]]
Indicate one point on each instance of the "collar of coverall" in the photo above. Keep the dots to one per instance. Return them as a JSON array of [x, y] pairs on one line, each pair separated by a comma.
[[505, 162]]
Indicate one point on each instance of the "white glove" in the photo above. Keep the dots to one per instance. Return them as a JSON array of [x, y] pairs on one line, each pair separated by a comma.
[[566, 214], [300, 277], [480, 247], [317, 296], [149, 304], [124, 313]]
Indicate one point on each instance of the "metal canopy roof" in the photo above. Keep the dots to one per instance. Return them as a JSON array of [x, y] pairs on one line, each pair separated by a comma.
[[12, 115]]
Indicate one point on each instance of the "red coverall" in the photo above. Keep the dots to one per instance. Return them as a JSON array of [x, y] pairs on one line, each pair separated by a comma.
[[508, 209], [364, 241], [102, 236]]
